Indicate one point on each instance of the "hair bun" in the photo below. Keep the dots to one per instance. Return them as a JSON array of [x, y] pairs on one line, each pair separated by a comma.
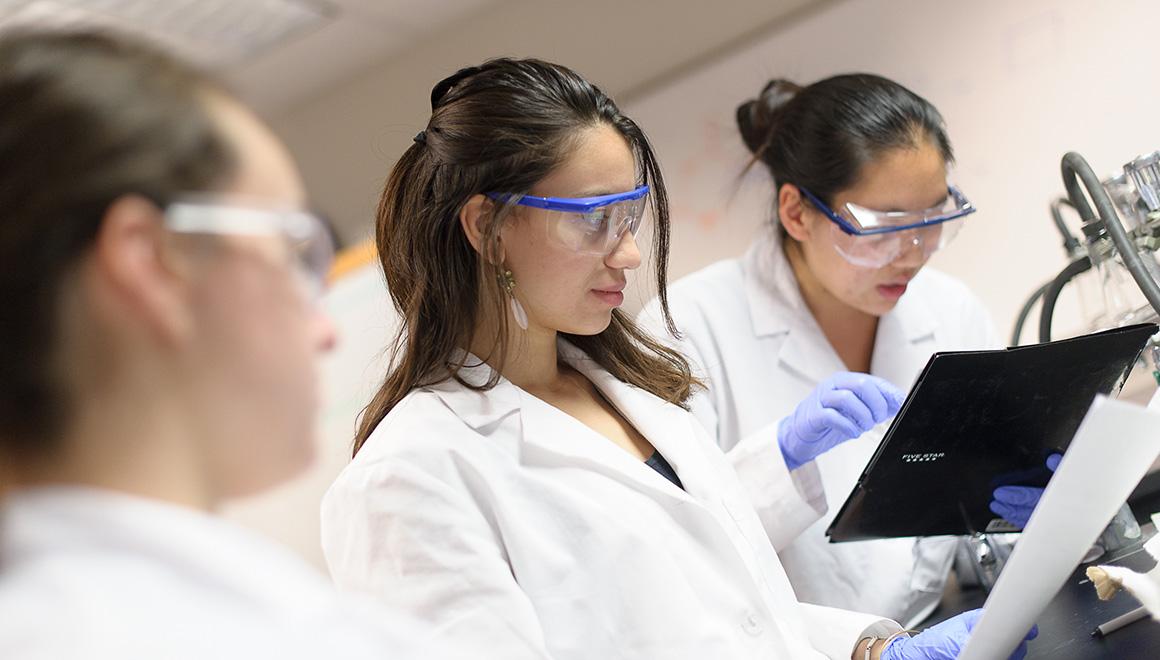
[[757, 118], [443, 86]]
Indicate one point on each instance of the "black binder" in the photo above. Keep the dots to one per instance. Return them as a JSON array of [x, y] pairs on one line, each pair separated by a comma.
[[976, 420]]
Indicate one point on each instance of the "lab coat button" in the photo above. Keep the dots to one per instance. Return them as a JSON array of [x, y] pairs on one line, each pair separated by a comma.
[[752, 624]]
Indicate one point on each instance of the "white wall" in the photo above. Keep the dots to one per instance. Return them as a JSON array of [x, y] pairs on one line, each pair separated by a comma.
[[1019, 84]]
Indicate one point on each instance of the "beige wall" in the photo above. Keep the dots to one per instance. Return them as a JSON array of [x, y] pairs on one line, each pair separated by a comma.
[[1019, 83], [347, 138]]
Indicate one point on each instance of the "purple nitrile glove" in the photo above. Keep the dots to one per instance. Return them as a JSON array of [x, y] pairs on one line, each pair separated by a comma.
[[1015, 503], [946, 640], [841, 408]]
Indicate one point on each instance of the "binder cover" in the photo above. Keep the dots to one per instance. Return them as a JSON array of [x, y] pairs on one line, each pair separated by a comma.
[[976, 420]]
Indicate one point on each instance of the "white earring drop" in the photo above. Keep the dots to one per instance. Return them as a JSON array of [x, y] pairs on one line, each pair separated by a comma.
[[519, 313]]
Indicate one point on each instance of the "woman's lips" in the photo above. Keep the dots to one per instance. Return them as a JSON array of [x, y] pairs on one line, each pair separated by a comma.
[[611, 298], [892, 291]]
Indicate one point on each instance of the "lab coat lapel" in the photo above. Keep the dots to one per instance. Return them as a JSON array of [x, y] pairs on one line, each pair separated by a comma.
[[667, 427], [549, 436], [778, 312], [479, 409], [807, 352]]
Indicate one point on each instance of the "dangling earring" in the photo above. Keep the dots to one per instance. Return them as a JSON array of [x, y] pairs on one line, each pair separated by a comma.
[[508, 284]]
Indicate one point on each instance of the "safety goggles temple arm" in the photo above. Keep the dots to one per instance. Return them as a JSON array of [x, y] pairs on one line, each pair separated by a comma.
[[842, 223], [196, 217]]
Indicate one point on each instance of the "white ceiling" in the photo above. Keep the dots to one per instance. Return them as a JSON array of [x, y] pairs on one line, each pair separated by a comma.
[[363, 33], [281, 53], [275, 52], [345, 82]]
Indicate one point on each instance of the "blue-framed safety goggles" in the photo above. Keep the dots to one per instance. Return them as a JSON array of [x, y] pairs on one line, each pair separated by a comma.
[[872, 239], [589, 225]]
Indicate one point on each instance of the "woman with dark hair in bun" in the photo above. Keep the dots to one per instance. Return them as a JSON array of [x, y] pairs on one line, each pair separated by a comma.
[[833, 293]]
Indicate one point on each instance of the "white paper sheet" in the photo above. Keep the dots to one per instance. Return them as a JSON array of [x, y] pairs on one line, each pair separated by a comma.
[[1112, 450]]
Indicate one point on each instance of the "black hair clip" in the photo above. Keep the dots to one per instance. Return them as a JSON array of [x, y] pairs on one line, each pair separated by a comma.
[[443, 86]]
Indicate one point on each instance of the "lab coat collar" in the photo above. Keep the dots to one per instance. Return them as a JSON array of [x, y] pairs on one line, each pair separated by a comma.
[[770, 286], [71, 520], [545, 429], [478, 408], [777, 308]]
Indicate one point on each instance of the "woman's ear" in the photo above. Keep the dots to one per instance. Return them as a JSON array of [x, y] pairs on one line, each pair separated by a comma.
[[474, 218], [136, 272], [790, 212]]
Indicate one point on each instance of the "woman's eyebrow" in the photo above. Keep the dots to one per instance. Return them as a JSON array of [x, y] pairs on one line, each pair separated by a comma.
[[940, 202], [602, 191]]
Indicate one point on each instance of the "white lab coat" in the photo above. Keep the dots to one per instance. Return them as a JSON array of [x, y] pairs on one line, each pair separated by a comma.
[[748, 332], [515, 528], [103, 576]]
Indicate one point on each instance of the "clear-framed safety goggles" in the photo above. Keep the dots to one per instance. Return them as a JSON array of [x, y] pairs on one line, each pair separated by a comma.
[[588, 225], [873, 239], [305, 234]]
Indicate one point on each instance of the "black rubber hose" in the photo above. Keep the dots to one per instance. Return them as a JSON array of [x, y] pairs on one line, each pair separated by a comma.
[[1051, 294], [1075, 169], [1070, 242], [1025, 312]]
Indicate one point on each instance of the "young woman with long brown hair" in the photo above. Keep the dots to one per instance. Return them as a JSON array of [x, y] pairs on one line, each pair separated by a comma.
[[527, 478]]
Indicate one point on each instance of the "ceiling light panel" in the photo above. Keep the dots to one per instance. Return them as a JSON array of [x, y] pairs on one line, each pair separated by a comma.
[[212, 32]]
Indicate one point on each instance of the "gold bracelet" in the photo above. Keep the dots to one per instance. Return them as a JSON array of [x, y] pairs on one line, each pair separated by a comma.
[[870, 639], [895, 636], [885, 642]]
